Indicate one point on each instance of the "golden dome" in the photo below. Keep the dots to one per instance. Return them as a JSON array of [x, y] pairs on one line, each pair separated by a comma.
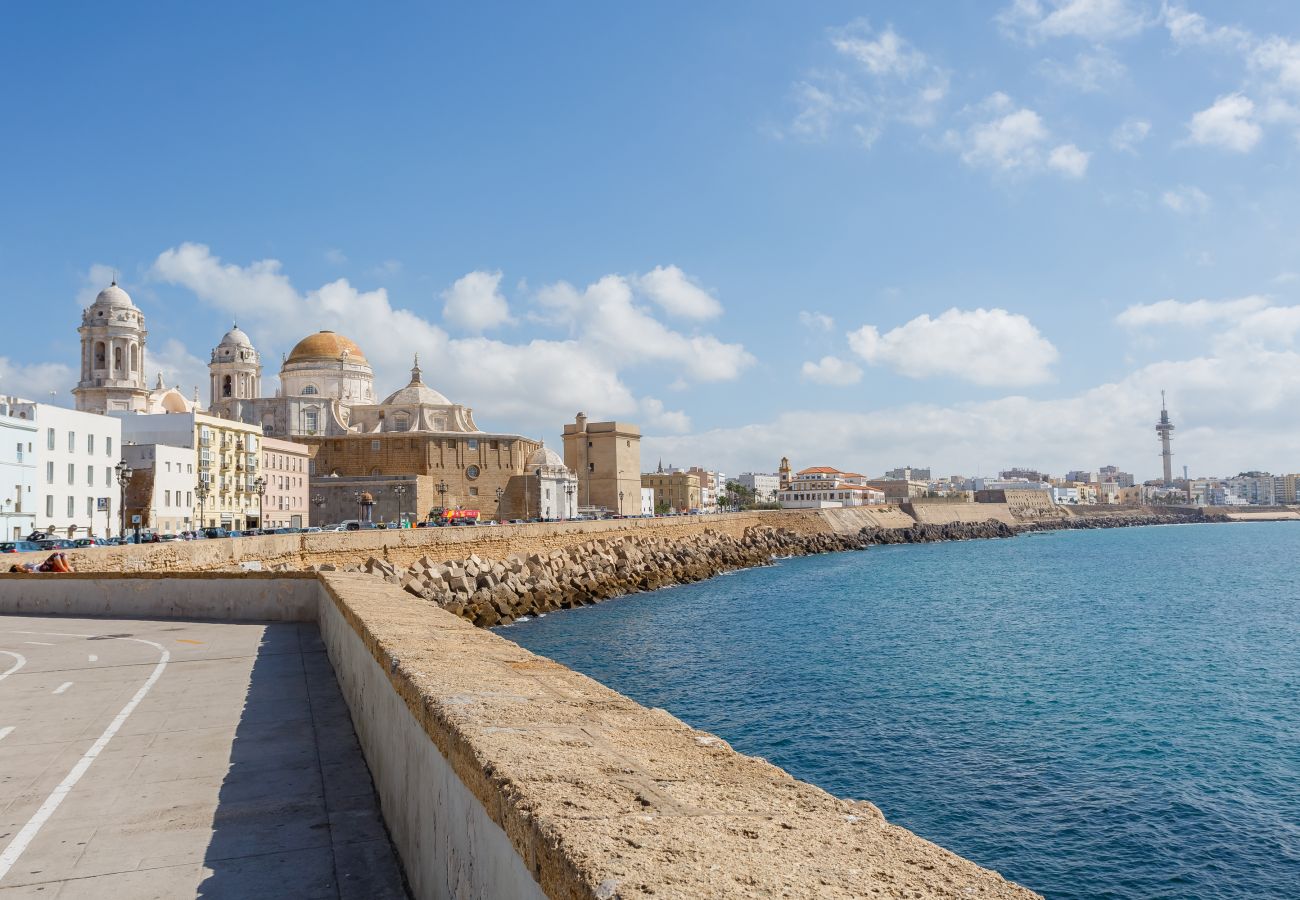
[[326, 345]]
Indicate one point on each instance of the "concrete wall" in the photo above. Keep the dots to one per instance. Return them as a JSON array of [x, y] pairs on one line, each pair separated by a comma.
[[255, 596], [952, 513], [851, 520]]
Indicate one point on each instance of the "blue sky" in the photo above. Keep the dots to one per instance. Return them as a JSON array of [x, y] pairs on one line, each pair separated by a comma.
[[968, 236]]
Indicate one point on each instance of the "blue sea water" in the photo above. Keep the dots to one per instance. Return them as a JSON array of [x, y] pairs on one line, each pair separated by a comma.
[[1095, 714]]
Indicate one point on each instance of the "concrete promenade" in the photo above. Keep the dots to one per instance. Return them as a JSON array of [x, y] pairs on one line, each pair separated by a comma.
[[157, 758]]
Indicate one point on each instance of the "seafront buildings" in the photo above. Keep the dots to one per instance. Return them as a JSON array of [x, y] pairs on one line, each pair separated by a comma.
[[17, 471]]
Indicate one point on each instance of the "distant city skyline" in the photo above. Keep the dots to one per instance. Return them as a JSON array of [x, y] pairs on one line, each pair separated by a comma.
[[974, 240]]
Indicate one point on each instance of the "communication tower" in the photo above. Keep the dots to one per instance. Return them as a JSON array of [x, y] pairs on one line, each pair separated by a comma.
[[1165, 429]]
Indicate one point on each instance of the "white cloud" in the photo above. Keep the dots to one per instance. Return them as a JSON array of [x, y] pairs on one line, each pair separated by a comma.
[[674, 291], [816, 321], [1228, 123], [1090, 72], [655, 416], [35, 381], [1011, 139], [831, 370], [475, 302], [1227, 417], [387, 268], [1189, 29], [1129, 134], [1279, 58], [984, 346], [1190, 313], [876, 79], [335, 257], [1069, 160], [178, 367], [1032, 21], [1186, 200], [606, 315]]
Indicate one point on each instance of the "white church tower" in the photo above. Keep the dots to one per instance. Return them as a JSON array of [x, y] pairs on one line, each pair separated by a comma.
[[236, 373], [112, 355]]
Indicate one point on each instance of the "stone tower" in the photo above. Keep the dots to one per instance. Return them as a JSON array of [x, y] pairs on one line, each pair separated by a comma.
[[606, 456], [235, 373], [112, 355], [784, 473]]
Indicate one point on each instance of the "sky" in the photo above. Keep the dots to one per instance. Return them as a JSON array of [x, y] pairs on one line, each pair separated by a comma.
[[968, 235]]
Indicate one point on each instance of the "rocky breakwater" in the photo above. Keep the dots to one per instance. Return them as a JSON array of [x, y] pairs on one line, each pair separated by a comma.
[[497, 592], [1112, 520], [922, 533]]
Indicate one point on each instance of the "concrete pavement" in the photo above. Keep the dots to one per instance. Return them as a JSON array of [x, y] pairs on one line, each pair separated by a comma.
[[163, 758]]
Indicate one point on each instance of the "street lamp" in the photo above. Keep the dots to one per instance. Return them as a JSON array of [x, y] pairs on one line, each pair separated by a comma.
[[441, 487], [317, 501], [259, 485], [620, 503], [569, 489], [500, 493], [399, 490], [124, 473], [201, 491]]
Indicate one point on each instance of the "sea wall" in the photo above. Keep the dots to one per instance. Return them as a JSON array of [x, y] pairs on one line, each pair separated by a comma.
[[958, 513]]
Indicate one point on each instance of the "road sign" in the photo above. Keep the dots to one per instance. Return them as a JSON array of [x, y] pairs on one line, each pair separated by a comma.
[[101, 504], [136, 519]]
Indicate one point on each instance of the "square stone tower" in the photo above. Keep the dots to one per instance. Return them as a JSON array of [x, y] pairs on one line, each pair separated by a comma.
[[606, 457]]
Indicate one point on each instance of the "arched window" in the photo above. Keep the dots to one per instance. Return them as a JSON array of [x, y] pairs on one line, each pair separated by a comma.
[[99, 355], [310, 389], [401, 422], [117, 359], [225, 386]]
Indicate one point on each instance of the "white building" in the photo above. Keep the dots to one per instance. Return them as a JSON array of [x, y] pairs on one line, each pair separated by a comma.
[[162, 483], [647, 501], [17, 472], [112, 355], [75, 453], [1063, 495], [763, 485], [551, 489], [822, 487]]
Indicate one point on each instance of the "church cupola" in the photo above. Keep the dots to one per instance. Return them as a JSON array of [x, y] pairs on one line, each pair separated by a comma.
[[236, 372], [112, 355]]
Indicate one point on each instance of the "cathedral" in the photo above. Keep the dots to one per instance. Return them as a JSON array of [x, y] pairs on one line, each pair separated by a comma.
[[406, 456]]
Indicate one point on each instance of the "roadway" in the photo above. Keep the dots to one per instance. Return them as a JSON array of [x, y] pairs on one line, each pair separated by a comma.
[[164, 758]]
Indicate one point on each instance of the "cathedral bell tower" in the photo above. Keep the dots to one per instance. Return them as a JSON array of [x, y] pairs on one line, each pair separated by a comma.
[[236, 373], [112, 355]]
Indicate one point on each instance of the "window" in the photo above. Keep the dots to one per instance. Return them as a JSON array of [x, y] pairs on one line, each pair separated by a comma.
[[310, 389], [49, 439], [495, 445], [189, 468], [90, 444], [90, 508], [591, 467], [72, 442], [167, 498], [473, 492], [188, 500], [309, 421], [49, 473], [49, 506], [374, 445], [72, 507], [90, 476], [108, 475], [20, 451], [472, 444], [72, 474], [108, 446], [472, 472], [117, 358]]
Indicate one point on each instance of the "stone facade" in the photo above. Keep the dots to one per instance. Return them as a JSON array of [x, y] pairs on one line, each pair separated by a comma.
[[607, 459], [673, 491], [112, 355], [285, 468]]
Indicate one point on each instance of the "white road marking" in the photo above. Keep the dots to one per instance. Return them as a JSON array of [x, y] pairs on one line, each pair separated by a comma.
[[5, 732], [57, 796], [94, 658], [39, 643], [19, 662], [63, 687]]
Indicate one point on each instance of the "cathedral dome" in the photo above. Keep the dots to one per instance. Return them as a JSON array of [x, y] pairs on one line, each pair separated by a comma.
[[417, 393], [235, 338], [114, 298], [544, 457], [326, 345]]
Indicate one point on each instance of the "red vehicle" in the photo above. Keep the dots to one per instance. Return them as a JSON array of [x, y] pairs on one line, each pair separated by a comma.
[[459, 517]]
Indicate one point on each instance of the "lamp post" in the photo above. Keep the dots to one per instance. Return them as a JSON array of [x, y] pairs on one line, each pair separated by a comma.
[[259, 485], [442, 496], [620, 503], [500, 493], [201, 491], [124, 473], [356, 495], [399, 491], [569, 490]]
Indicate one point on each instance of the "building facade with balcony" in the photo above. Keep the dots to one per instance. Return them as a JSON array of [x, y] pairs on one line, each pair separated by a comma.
[[161, 488], [285, 466]]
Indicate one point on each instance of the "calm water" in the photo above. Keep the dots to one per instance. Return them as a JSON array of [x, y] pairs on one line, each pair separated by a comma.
[[1092, 713]]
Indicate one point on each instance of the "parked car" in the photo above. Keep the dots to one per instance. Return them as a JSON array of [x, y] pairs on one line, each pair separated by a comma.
[[56, 544], [215, 533], [312, 529], [19, 547], [168, 537]]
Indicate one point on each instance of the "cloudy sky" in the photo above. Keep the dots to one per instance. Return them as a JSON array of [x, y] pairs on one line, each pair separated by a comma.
[[861, 234]]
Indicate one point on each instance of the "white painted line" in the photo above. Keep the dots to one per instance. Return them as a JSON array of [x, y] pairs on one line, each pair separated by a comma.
[[5, 732], [94, 658], [19, 662], [39, 643], [63, 687], [57, 796]]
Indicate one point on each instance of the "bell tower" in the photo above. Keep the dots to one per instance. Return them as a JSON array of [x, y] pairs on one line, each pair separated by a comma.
[[112, 355], [235, 373]]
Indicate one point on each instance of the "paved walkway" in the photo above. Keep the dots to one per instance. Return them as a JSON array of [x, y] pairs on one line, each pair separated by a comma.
[[179, 759]]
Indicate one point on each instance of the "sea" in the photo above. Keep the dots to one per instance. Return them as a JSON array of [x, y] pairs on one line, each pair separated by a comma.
[[1094, 714]]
